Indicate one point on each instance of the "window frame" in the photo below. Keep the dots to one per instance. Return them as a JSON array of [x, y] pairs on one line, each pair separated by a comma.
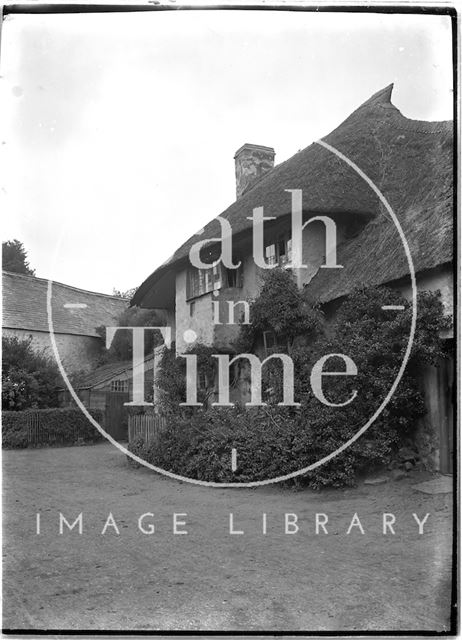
[[119, 382], [275, 256], [201, 282], [279, 344]]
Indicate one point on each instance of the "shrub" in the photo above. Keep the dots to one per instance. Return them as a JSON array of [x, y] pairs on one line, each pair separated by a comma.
[[275, 440], [30, 378], [200, 446], [171, 378], [14, 429], [280, 307], [142, 449], [56, 426]]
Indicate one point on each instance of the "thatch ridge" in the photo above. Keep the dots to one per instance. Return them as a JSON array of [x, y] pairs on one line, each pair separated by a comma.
[[409, 160]]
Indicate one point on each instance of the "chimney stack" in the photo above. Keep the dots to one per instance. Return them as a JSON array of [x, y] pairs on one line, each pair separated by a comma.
[[252, 162]]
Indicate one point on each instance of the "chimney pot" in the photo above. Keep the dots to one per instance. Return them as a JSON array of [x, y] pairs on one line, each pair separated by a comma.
[[252, 161]]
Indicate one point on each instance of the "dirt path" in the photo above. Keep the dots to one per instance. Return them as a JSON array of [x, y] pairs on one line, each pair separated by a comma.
[[209, 579]]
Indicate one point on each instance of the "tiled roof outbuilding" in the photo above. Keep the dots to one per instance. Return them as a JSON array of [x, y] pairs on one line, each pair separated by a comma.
[[25, 306]]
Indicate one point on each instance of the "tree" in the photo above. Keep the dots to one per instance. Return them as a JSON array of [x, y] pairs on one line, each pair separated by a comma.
[[14, 258], [124, 294], [281, 308], [30, 379], [121, 346]]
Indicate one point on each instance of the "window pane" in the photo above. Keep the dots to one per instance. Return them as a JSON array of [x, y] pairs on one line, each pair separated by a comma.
[[202, 281], [270, 252]]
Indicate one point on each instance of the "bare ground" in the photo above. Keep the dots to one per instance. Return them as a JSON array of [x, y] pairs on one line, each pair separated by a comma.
[[209, 579]]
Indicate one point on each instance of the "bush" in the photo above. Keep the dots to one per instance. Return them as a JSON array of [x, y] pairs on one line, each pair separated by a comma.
[[30, 378], [200, 446], [56, 426], [171, 379], [273, 441], [280, 307], [142, 449], [14, 429]]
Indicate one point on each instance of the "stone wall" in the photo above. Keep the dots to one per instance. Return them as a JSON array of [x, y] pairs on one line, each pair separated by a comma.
[[77, 353]]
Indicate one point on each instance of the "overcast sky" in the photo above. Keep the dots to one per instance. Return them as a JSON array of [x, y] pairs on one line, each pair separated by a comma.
[[121, 128]]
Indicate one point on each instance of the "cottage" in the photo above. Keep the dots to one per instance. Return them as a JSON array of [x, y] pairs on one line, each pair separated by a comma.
[[410, 161], [76, 315]]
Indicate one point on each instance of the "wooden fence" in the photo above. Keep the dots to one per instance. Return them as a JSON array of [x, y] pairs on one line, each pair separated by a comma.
[[147, 427], [42, 434]]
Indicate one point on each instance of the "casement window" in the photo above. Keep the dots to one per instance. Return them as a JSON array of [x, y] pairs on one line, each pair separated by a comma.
[[285, 251], [279, 252], [270, 254], [232, 278], [202, 381], [274, 344], [201, 281], [119, 385]]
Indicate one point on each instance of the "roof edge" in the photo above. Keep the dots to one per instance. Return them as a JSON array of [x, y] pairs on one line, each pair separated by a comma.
[[61, 284], [381, 99]]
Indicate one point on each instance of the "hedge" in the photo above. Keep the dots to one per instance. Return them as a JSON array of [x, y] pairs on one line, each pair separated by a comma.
[[21, 429]]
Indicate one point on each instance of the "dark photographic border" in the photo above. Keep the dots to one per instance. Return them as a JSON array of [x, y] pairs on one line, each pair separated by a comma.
[[435, 10]]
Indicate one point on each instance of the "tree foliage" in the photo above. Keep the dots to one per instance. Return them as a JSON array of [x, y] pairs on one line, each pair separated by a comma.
[[14, 258], [171, 379], [128, 294], [121, 348], [280, 307], [30, 379]]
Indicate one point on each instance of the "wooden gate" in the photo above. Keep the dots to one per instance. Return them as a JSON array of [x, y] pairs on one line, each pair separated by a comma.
[[445, 380], [144, 426], [116, 420]]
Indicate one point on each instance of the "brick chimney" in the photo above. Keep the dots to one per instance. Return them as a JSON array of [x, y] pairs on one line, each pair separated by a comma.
[[252, 162]]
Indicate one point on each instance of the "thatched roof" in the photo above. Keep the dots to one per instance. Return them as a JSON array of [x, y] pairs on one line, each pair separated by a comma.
[[409, 160], [25, 306]]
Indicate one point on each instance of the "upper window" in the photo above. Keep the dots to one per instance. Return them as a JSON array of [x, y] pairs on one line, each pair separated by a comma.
[[201, 281], [279, 252]]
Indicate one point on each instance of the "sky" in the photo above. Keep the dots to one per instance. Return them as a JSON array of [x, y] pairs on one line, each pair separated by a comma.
[[119, 130]]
